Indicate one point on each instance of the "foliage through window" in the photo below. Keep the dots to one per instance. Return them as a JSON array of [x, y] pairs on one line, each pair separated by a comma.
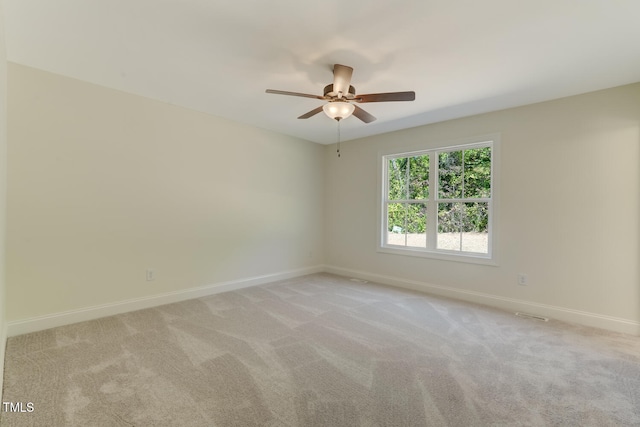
[[439, 200]]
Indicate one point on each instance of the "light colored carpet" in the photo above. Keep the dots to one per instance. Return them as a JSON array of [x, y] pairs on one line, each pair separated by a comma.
[[323, 351]]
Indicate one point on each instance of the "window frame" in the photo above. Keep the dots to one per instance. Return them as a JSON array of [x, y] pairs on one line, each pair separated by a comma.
[[431, 251]]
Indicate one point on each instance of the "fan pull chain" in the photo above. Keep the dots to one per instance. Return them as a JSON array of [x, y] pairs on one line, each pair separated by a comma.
[[338, 151]]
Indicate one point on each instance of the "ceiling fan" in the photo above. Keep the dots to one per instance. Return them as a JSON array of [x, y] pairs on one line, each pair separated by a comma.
[[341, 96]]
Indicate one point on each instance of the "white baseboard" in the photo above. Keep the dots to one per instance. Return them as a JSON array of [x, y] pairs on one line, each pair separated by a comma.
[[19, 327], [35, 324], [553, 312], [3, 347]]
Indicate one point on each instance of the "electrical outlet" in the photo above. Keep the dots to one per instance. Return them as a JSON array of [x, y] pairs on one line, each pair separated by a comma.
[[151, 275], [523, 280]]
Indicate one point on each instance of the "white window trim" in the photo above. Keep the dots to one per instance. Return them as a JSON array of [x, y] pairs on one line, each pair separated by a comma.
[[431, 251]]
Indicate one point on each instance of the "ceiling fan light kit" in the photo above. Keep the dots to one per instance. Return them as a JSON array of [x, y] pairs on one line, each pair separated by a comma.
[[338, 110], [341, 94]]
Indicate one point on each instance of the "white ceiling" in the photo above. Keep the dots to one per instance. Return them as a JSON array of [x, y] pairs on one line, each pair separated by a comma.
[[461, 57]]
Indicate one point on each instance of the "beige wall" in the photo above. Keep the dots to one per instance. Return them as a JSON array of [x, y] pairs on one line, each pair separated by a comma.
[[103, 185], [3, 187], [569, 208]]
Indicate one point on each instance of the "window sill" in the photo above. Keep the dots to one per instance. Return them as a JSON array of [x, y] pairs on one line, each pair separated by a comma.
[[468, 258]]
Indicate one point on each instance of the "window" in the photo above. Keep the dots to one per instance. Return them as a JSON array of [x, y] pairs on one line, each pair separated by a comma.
[[439, 202]]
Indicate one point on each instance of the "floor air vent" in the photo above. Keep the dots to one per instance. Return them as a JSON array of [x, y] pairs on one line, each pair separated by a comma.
[[532, 316], [359, 280]]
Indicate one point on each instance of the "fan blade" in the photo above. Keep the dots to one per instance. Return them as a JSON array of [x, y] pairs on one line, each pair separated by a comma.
[[341, 79], [386, 97], [284, 92], [311, 113], [363, 115]]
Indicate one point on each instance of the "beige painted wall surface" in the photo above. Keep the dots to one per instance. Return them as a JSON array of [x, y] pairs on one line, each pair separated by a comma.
[[3, 186], [103, 185], [569, 204]]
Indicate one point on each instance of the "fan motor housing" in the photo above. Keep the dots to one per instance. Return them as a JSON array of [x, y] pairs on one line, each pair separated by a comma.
[[328, 92]]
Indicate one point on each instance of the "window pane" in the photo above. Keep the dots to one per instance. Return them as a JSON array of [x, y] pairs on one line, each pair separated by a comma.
[[477, 172], [450, 175], [417, 225], [475, 228], [449, 218], [463, 227], [397, 175], [396, 220], [419, 177]]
